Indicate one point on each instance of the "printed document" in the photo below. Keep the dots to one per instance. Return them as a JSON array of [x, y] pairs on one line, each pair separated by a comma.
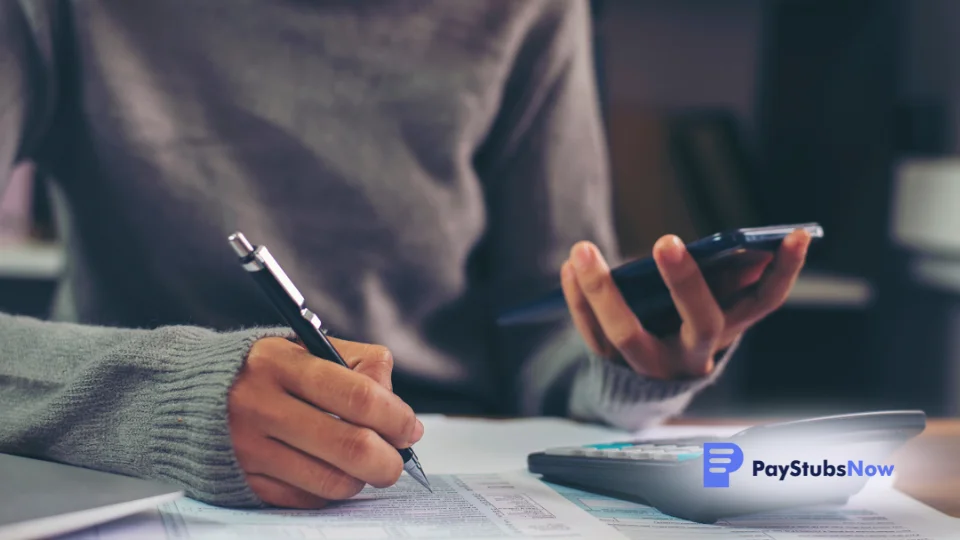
[[481, 491], [477, 507], [881, 513]]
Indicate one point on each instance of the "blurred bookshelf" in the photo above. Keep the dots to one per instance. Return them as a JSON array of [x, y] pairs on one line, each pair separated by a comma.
[[691, 173], [31, 259], [751, 112]]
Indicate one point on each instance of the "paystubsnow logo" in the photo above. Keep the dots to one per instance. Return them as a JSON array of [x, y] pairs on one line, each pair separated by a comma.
[[721, 459]]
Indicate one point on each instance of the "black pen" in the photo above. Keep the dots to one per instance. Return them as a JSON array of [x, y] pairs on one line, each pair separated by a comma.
[[306, 324]]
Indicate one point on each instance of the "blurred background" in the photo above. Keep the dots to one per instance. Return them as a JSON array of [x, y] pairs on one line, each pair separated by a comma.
[[731, 113]]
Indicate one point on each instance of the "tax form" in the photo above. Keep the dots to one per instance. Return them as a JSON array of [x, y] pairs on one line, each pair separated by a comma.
[[481, 491], [883, 514], [472, 506]]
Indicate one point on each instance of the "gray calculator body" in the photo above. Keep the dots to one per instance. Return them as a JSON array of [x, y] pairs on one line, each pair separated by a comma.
[[672, 476]]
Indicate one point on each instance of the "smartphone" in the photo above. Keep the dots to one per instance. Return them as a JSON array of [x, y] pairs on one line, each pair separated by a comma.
[[719, 256]]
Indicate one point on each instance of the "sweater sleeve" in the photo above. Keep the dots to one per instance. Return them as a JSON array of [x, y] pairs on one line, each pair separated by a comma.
[[546, 175], [146, 403]]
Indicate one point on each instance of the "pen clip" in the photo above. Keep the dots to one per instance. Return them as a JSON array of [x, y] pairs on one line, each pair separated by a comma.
[[312, 318], [258, 259], [263, 256]]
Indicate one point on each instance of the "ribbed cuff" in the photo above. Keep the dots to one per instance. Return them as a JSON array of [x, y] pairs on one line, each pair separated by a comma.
[[189, 443], [617, 395]]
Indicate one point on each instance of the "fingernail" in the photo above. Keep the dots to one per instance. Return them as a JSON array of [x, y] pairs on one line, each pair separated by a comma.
[[790, 241], [583, 257], [673, 250], [418, 431]]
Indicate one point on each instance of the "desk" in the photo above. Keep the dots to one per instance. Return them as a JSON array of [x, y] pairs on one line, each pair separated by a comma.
[[928, 467]]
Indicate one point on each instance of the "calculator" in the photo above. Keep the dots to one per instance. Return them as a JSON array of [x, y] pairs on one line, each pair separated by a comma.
[[763, 468]]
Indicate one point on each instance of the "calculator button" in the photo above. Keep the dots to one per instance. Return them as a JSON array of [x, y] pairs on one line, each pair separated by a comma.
[[566, 451], [609, 446], [638, 454]]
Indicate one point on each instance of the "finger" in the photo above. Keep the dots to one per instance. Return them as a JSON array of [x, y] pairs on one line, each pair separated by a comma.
[[359, 452], [703, 320], [581, 312], [302, 471], [616, 319], [774, 287], [351, 396], [374, 361], [277, 493]]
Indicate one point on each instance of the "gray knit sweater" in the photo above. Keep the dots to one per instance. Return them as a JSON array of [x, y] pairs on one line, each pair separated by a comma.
[[413, 164]]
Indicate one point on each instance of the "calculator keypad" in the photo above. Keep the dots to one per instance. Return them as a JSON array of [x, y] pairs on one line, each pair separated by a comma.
[[639, 450]]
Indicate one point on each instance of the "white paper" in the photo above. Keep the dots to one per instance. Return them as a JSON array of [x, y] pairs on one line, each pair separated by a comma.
[[471, 445], [146, 525], [478, 507], [83, 519], [879, 513], [474, 450]]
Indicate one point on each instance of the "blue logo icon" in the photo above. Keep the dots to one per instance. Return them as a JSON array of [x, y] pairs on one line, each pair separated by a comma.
[[719, 460]]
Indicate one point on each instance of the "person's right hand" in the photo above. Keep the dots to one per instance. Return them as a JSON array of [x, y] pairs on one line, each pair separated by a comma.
[[293, 452]]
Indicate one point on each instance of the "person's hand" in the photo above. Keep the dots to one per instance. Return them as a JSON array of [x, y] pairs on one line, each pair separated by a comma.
[[612, 330], [293, 452]]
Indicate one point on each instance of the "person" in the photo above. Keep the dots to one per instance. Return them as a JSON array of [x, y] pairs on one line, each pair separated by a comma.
[[413, 165]]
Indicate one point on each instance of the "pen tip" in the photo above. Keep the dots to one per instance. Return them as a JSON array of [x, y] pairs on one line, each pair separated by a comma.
[[414, 470]]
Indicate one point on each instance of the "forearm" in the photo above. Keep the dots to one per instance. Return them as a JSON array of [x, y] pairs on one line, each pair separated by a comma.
[[148, 403], [613, 393]]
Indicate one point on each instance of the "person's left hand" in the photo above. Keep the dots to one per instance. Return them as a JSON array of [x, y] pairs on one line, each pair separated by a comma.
[[612, 330]]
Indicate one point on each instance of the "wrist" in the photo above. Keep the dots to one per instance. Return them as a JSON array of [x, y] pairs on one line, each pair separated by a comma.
[[190, 443], [615, 394]]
